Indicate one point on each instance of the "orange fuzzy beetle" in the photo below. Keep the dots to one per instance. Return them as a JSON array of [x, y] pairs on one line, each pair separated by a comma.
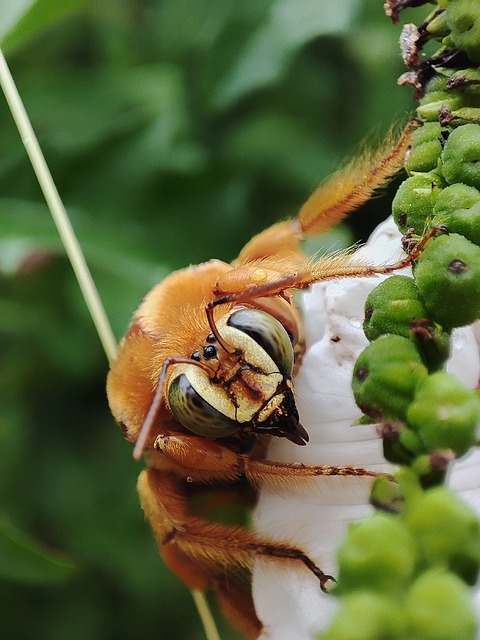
[[204, 377]]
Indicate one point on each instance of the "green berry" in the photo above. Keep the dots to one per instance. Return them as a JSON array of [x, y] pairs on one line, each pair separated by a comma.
[[385, 377], [463, 19], [386, 495], [438, 26], [414, 201], [447, 532], [438, 607], [433, 101], [458, 207], [426, 148], [411, 441], [466, 115], [444, 414], [468, 81], [437, 84], [431, 468], [391, 307], [447, 275], [461, 156], [400, 444], [367, 616], [379, 553], [395, 307]]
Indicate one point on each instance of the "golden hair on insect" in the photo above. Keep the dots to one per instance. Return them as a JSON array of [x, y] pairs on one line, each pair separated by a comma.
[[205, 376]]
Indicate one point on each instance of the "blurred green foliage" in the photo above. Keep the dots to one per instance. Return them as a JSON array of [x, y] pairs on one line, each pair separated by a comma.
[[174, 131]]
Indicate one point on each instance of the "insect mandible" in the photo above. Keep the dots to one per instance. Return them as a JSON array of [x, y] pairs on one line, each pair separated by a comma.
[[205, 376]]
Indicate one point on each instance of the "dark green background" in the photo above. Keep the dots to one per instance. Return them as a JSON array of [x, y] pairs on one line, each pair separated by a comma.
[[175, 130]]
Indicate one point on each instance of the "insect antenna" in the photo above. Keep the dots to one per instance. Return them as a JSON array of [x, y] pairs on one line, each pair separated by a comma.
[[157, 401], [209, 309]]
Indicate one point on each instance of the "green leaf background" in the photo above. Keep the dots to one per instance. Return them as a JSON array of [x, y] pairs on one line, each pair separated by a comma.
[[175, 131]]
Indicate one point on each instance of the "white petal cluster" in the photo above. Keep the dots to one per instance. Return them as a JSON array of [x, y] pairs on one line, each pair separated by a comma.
[[287, 597]]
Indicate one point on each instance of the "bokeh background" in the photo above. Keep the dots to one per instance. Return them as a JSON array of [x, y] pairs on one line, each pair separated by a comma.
[[175, 130]]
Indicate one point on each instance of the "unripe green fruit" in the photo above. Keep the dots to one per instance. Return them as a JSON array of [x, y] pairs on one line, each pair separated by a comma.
[[461, 156], [386, 495], [433, 101], [458, 207], [444, 414], [447, 275], [395, 307], [466, 115], [437, 26], [379, 554], [426, 148], [463, 19], [385, 377], [413, 204], [447, 532], [468, 80], [391, 307], [438, 607], [431, 469], [436, 84], [401, 445], [367, 616], [411, 441]]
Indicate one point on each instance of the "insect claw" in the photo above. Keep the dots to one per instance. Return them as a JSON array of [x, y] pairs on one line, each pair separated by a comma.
[[323, 581]]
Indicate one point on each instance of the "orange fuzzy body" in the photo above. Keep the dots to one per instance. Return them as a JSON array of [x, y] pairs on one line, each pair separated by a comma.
[[171, 330]]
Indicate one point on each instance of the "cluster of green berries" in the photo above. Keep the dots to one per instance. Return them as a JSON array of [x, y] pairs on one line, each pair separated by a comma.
[[428, 418], [398, 380], [404, 573], [406, 577]]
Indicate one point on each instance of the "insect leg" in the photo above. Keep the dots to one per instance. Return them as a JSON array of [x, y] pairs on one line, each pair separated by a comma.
[[355, 183], [164, 501], [259, 281], [335, 198], [209, 461]]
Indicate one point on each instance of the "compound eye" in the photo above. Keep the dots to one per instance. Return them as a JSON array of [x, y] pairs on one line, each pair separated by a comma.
[[195, 413], [267, 332]]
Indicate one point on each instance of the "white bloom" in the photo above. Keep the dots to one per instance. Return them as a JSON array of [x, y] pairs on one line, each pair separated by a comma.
[[287, 597]]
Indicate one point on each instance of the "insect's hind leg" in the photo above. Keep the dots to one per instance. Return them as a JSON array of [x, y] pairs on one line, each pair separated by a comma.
[[236, 603], [355, 183], [198, 550], [336, 197]]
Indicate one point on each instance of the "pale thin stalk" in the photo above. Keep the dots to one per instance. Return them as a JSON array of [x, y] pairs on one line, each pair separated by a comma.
[[205, 614], [59, 215], [77, 260]]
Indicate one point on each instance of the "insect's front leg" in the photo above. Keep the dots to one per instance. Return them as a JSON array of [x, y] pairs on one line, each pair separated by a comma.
[[211, 461]]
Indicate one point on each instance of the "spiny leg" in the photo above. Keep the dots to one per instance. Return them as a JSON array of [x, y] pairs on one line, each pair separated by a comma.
[[264, 278], [340, 194], [355, 183], [177, 532], [208, 461]]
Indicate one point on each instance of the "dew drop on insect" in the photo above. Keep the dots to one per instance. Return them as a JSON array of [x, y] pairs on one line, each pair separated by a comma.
[[189, 479]]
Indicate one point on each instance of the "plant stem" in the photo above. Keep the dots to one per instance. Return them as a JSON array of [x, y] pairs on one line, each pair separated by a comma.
[[57, 209]]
